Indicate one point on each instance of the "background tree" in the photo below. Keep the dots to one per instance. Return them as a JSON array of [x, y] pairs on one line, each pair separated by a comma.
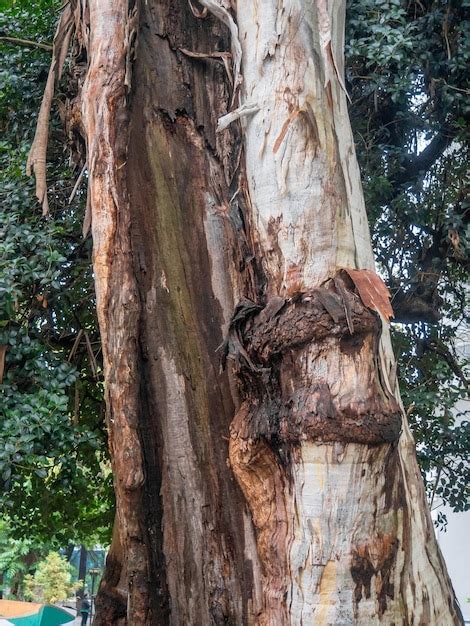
[[407, 72], [52, 581], [18, 558]]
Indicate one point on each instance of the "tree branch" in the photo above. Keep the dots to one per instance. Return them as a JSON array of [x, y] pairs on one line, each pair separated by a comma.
[[413, 167], [26, 42]]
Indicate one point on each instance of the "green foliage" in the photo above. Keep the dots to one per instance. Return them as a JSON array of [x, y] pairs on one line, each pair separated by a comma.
[[54, 468], [407, 76], [17, 557], [433, 395], [52, 581]]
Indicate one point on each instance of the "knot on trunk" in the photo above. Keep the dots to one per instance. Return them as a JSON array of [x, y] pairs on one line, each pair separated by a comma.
[[308, 369], [259, 334]]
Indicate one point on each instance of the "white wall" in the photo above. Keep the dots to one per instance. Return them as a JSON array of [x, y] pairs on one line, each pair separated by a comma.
[[455, 546], [455, 542]]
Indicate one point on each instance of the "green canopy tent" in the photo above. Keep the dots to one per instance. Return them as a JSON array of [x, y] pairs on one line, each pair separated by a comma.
[[32, 614]]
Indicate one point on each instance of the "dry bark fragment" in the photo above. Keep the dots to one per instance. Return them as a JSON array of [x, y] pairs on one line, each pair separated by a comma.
[[372, 290], [3, 351]]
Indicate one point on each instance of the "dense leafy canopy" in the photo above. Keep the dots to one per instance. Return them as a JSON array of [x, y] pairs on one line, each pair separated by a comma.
[[408, 79], [405, 74], [53, 455]]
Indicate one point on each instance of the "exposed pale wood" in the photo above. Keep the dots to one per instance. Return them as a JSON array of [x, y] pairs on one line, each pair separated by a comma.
[[355, 523]]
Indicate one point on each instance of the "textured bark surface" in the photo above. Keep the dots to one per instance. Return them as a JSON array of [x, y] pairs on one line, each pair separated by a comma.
[[283, 489], [106, 122], [167, 263]]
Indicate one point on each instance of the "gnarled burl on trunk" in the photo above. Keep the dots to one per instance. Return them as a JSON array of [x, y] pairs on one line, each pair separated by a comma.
[[228, 223]]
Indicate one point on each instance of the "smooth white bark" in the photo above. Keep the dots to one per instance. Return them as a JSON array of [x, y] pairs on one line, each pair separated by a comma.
[[309, 219]]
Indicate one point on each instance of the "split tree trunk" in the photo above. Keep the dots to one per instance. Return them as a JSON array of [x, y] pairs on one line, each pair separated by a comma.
[[284, 489]]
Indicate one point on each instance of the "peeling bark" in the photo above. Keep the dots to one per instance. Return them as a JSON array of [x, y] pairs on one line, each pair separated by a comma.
[[228, 220]]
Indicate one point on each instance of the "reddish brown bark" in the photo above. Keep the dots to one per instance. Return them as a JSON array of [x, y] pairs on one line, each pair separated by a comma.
[[176, 406]]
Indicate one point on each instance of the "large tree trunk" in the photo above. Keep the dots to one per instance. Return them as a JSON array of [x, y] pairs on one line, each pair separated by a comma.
[[283, 489]]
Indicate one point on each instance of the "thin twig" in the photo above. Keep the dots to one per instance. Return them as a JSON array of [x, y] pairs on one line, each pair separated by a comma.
[[77, 184], [91, 356], [435, 485], [75, 345]]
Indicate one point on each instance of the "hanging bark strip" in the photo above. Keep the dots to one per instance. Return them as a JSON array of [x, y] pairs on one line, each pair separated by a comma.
[[222, 230], [37, 155]]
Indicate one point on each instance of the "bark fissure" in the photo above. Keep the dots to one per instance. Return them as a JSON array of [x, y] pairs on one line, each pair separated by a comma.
[[180, 193]]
